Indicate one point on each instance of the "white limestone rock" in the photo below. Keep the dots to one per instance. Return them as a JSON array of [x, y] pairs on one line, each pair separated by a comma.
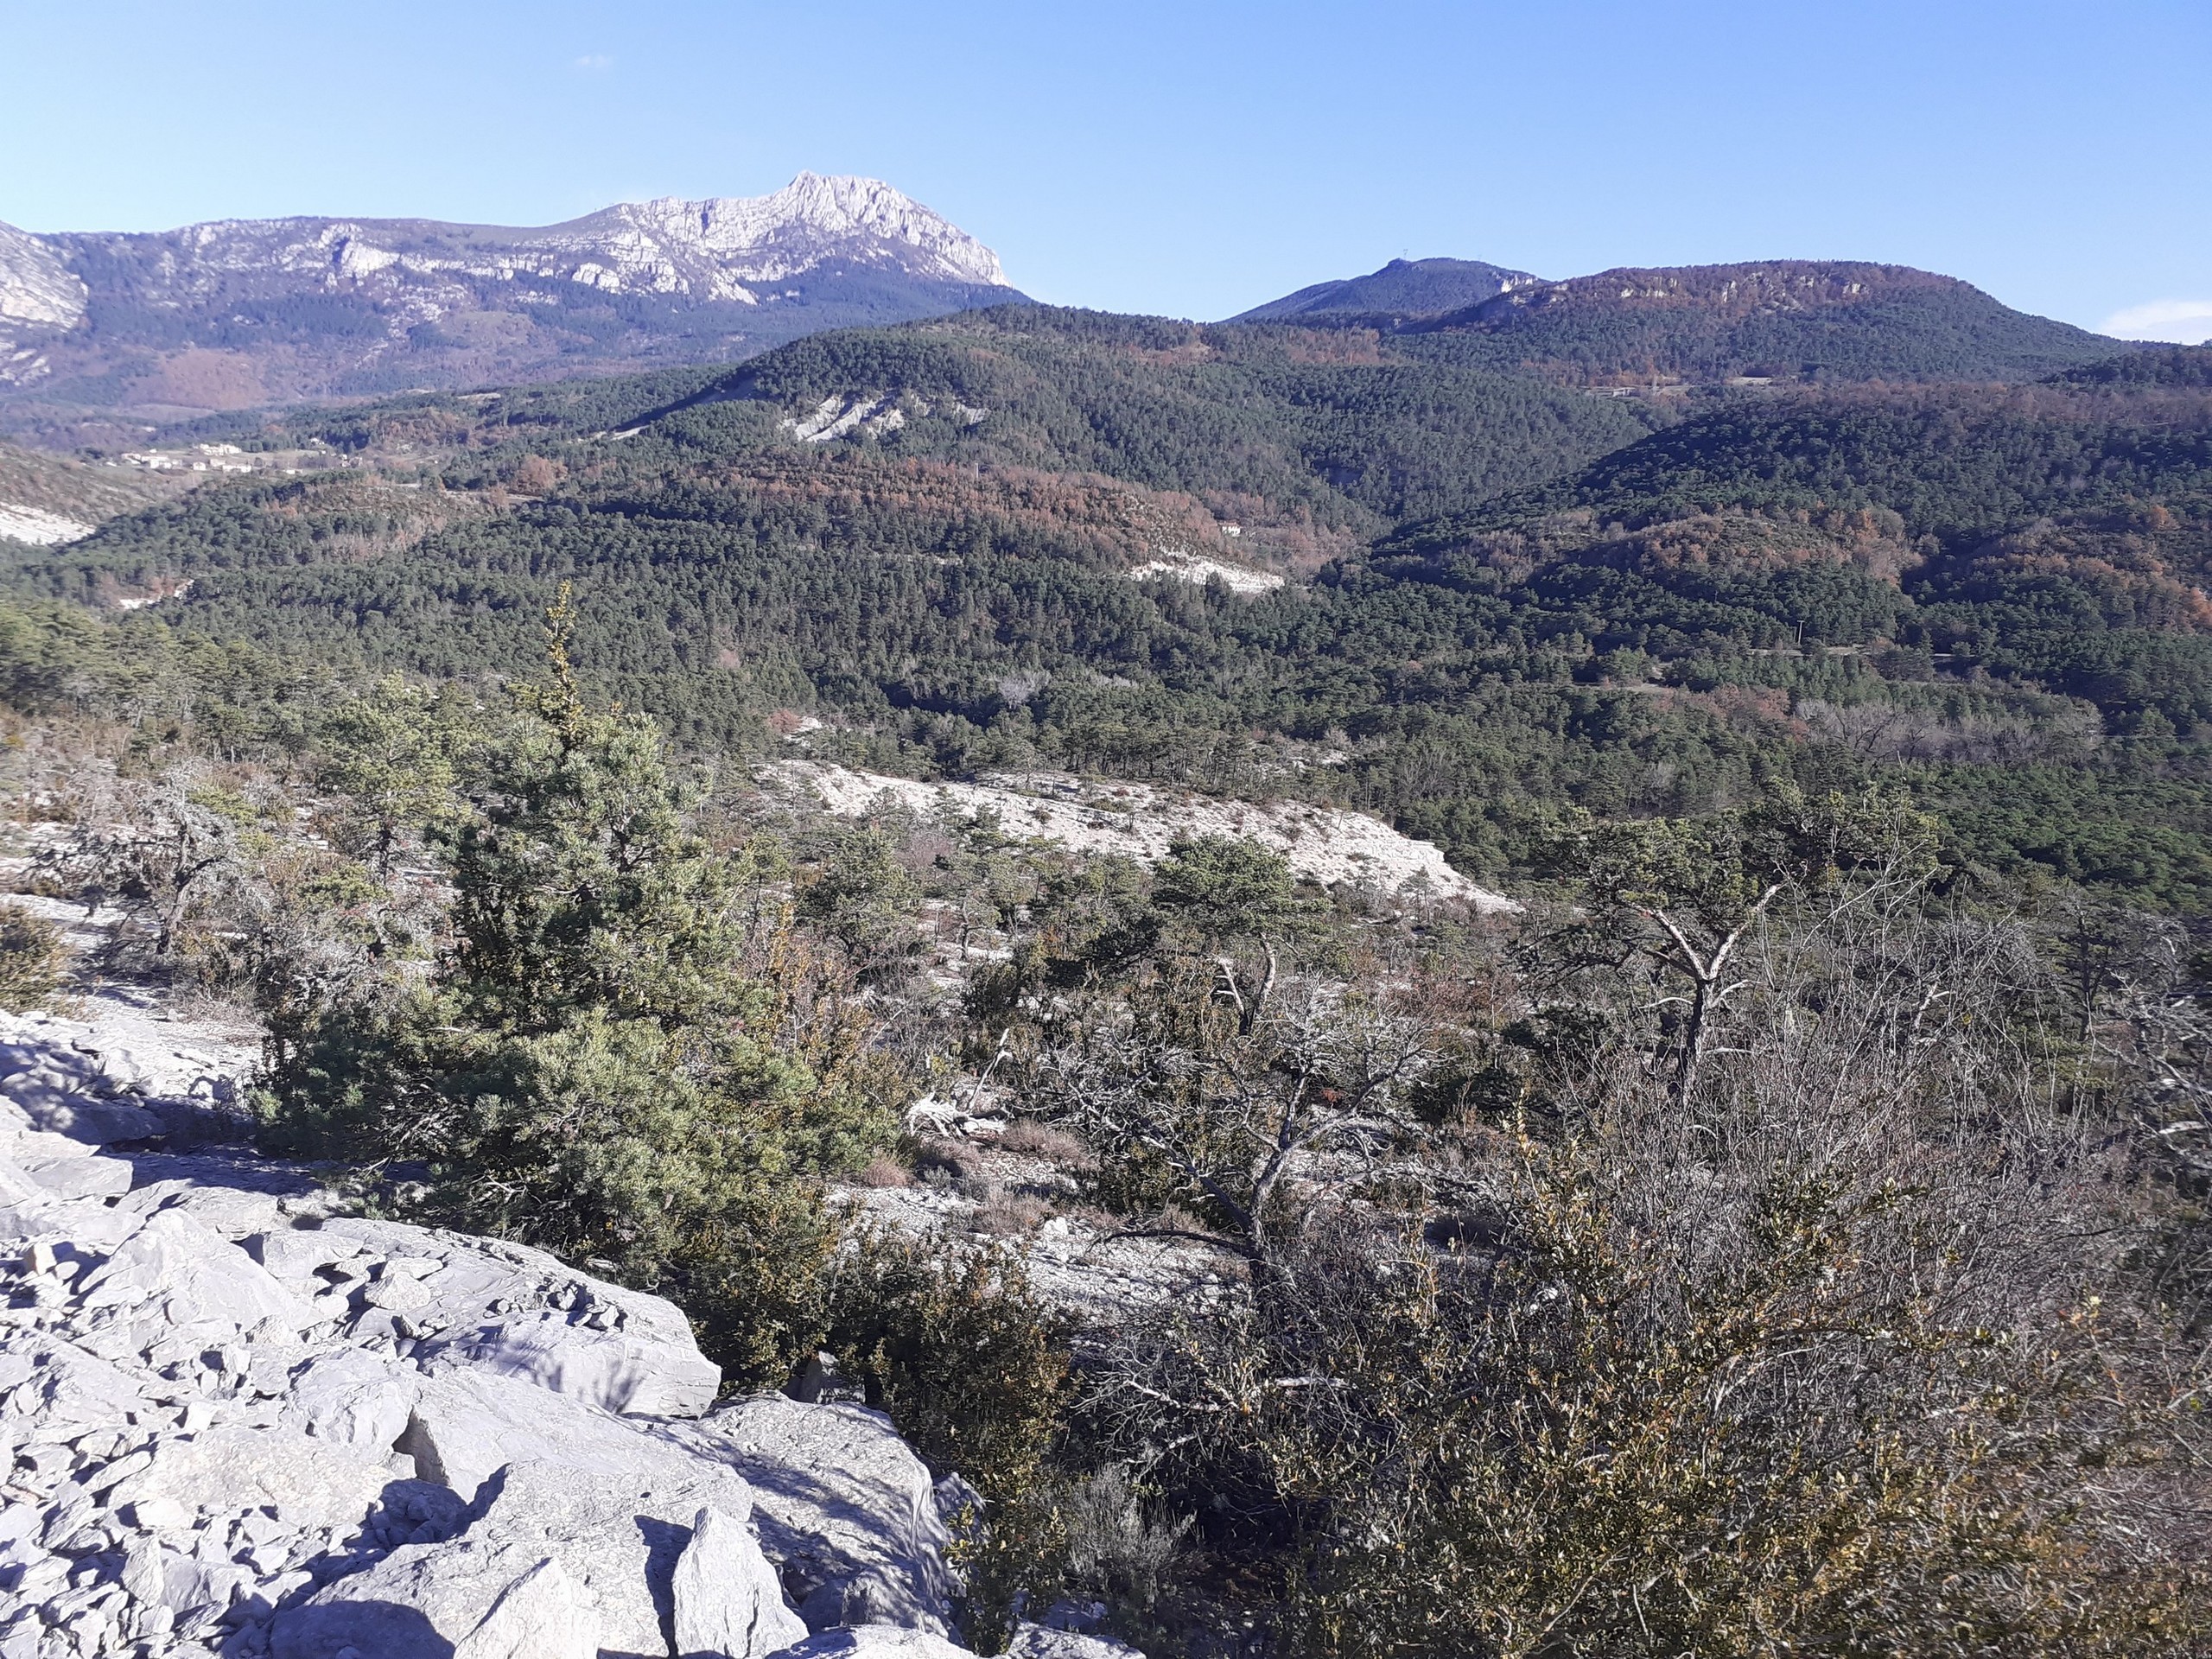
[[423, 1600], [191, 1274], [492, 1305], [619, 1539], [79, 1177], [51, 1383], [727, 1601], [1141, 821], [875, 1642], [843, 1506], [465, 1427], [350, 1396], [230, 1212], [236, 1424], [619, 1373], [16, 1185], [544, 1614], [35, 287], [88, 1224], [306, 1484]]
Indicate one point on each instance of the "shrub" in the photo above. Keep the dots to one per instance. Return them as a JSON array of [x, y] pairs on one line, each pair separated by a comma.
[[593, 1066], [32, 959], [955, 1345]]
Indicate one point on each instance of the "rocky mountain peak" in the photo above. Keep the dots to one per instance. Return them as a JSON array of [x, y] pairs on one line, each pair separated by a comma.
[[812, 211], [235, 312]]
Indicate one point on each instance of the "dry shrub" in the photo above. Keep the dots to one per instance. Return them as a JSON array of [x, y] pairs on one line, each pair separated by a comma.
[[32, 959], [1847, 1348], [1055, 1147], [882, 1171], [1010, 1215], [943, 1158]]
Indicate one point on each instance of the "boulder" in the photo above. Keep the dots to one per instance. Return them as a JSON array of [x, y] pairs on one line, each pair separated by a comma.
[[22, 1144], [617, 1372], [620, 1542], [59, 1108], [229, 1468], [60, 1387], [81, 1177], [544, 1614], [182, 1266], [843, 1506], [465, 1426], [875, 1642], [295, 1257], [90, 1224], [420, 1602], [488, 1305], [228, 1212], [727, 1601], [352, 1397]]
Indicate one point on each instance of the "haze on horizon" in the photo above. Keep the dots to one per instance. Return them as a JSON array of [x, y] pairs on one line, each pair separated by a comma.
[[1193, 160]]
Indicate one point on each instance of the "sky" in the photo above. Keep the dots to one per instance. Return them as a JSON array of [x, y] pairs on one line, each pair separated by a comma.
[[1189, 159]]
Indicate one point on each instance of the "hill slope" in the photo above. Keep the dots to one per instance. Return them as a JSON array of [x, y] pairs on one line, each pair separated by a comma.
[[243, 312], [1404, 288], [1789, 320], [1269, 425], [45, 500]]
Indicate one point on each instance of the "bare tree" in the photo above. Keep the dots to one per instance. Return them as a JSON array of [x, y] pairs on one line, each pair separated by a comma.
[[1237, 1095]]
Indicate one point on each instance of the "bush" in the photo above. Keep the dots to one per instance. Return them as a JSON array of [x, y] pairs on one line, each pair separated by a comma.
[[956, 1346], [1812, 1356], [1081, 1536], [32, 959], [596, 1066]]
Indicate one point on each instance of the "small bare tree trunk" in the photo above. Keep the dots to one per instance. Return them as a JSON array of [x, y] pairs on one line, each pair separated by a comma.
[[1704, 973]]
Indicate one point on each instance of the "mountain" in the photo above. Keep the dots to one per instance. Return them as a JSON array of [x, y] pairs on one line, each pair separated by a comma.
[[1404, 288], [1787, 319], [1981, 596], [131, 329], [1363, 564]]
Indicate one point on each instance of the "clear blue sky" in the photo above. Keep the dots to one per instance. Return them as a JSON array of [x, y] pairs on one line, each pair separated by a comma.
[[1190, 158]]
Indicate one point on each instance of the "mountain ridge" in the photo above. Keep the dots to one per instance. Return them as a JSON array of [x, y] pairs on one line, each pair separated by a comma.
[[140, 326], [1786, 320]]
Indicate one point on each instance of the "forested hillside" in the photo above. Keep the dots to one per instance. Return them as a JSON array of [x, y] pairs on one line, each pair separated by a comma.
[[1788, 321], [1921, 587]]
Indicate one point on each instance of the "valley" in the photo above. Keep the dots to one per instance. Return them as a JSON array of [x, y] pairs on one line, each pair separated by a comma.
[[1471, 953]]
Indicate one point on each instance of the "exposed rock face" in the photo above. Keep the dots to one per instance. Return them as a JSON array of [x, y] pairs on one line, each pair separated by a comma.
[[240, 312], [1139, 820], [39, 528], [235, 1421], [37, 289]]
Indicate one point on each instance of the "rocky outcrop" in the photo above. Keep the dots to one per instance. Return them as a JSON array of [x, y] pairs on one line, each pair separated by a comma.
[[237, 1421], [37, 289], [1322, 843]]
